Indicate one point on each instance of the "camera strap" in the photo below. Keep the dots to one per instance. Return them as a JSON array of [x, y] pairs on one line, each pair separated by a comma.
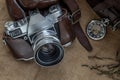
[[75, 15]]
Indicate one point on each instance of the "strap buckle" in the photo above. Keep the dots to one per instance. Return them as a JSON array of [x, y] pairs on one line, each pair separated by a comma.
[[116, 25], [73, 15], [4, 42]]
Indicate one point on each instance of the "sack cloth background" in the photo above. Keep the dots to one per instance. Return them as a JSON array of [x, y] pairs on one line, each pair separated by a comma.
[[70, 68]]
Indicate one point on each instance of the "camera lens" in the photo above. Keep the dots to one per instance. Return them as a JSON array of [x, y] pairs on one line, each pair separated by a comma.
[[49, 54], [48, 49]]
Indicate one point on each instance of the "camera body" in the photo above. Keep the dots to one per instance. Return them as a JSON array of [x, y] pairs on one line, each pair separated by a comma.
[[42, 33], [36, 23]]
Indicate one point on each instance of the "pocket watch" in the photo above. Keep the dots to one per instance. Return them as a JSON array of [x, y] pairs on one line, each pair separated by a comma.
[[96, 29]]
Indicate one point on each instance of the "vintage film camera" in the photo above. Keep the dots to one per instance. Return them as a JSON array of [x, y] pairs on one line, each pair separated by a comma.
[[42, 33], [41, 28]]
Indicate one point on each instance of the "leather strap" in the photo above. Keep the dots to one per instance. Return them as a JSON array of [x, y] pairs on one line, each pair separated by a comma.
[[106, 9], [65, 28], [41, 4], [14, 9], [75, 16]]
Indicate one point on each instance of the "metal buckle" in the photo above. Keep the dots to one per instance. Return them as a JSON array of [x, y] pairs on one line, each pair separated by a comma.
[[105, 21], [72, 15], [115, 26], [4, 42]]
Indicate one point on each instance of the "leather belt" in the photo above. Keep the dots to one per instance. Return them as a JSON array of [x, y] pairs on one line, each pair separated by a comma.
[[107, 9], [15, 11], [32, 4], [66, 31], [75, 17]]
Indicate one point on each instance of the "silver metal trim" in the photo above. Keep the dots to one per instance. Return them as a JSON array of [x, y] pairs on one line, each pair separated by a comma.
[[115, 26]]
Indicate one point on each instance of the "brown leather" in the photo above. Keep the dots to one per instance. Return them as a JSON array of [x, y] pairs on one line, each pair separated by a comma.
[[66, 33], [107, 9], [76, 25], [18, 8], [32, 4], [73, 7], [82, 37], [20, 48], [14, 10]]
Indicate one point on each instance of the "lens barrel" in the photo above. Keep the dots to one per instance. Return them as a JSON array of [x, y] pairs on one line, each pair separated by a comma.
[[48, 50]]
